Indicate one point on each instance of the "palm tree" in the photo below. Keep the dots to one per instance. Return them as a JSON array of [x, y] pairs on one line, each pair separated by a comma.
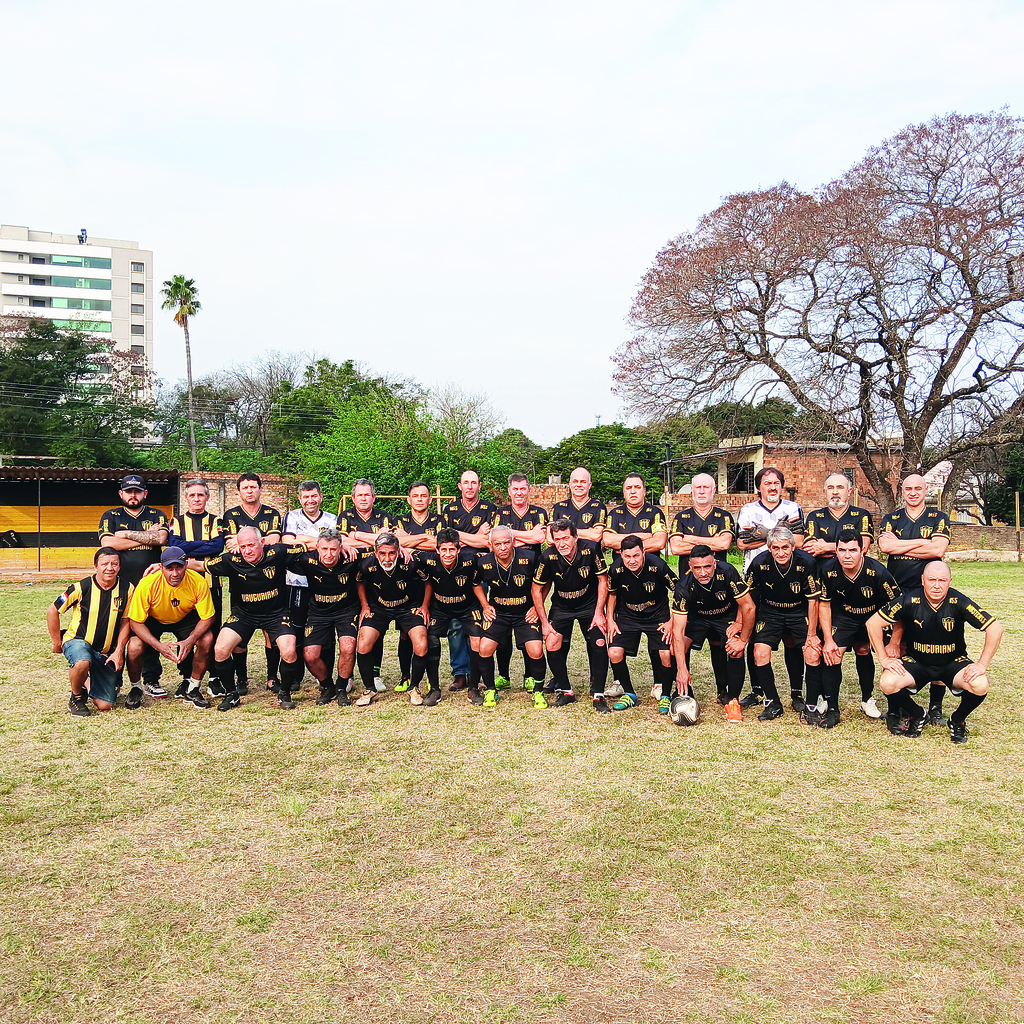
[[180, 293]]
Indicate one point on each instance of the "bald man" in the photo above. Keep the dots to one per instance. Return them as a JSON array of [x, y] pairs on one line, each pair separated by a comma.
[[703, 523], [911, 537], [583, 510]]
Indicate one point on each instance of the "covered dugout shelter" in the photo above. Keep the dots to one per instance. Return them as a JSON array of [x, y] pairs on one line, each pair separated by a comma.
[[54, 513]]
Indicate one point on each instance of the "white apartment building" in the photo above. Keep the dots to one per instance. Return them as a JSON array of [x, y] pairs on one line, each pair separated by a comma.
[[101, 285]]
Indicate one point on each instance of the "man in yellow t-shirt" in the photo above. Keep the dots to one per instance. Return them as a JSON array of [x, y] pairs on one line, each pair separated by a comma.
[[177, 600]]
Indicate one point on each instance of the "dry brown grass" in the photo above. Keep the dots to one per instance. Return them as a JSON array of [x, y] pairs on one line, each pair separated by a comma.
[[400, 865]]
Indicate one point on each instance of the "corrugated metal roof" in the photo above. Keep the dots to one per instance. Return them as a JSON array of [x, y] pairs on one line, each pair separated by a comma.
[[97, 474]]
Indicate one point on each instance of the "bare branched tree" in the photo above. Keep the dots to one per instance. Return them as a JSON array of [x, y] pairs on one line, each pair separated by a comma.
[[465, 419]]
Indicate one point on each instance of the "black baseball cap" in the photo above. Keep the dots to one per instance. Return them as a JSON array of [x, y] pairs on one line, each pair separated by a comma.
[[133, 482], [173, 556]]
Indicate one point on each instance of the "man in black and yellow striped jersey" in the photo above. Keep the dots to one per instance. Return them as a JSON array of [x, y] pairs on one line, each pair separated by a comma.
[[95, 640]]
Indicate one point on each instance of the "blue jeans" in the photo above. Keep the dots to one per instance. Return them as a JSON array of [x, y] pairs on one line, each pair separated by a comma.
[[458, 649], [102, 678]]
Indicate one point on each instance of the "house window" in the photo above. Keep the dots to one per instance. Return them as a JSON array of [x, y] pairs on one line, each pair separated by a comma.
[[138, 268], [139, 289], [740, 476], [851, 476], [138, 307], [138, 328], [39, 260]]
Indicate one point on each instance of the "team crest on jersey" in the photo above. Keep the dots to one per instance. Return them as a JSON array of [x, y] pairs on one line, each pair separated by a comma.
[[866, 591], [519, 581], [401, 584], [795, 587], [587, 516], [584, 571], [309, 631], [644, 523], [712, 530], [175, 602], [926, 532], [476, 520], [948, 623], [760, 626], [461, 581], [649, 587], [721, 595], [270, 573], [115, 601]]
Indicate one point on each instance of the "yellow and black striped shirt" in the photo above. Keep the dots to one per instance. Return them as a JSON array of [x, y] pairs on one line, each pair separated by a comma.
[[96, 614], [205, 526]]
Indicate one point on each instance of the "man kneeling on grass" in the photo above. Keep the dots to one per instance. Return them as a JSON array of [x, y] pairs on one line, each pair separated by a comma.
[[932, 617], [95, 640]]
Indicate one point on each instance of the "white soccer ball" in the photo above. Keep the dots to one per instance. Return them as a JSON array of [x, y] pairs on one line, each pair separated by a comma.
[[684, 710]]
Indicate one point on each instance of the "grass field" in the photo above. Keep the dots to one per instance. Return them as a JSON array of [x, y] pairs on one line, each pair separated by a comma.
[[402, 864]]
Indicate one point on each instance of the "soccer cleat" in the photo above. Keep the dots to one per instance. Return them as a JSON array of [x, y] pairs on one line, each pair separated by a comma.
[[459, 682], [182, 689], [614, 689], [490, 699], [273, 685], [751, 700], [798, 703], [663, 705], [367, 698], [722, 698], [79, 706], [195, 698], [326, 695], [501, 683], [402, 687], [811, 715], [870, 708], [284, 698], [415, 697], [539, 700], [529, 685], [564, 700], [915, 725], [934, 716], [232, 700], [601, 707], [830, 719], [957, 731], [379, 684], [656, 692], [894, 723], [216, 688], [242, 689], [134, 699], [475, 697], [549, 686], [626, 701], [734, 711], [154, 690], [772, 709], [432, 699], [343, 700]]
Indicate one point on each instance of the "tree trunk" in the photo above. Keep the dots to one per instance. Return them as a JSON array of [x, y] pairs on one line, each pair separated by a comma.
[[191, 410]]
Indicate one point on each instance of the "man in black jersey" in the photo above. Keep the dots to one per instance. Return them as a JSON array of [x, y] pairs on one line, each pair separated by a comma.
[[257, 574], [575, 572], [452, 592], [703, 523], [853, 588], [933, 617], [387, 587], [821, 528], [96, 638], [200, 535], [784, 586], [137, 532], [911, 537], [507, 573], [333, 612], [636, 517], [471, 516], [253, 513], [639, 589], [581, 508], [712, 602]]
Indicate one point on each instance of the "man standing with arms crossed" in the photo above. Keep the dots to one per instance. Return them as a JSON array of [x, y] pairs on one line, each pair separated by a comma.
[[703, 523], [635, 517]]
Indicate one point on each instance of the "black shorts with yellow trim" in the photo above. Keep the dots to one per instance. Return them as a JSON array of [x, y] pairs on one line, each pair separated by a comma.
[[320, 630], [633, 627], [707, 627], [562, 620], [924, 675], [504, 626], [441, 621], [405, 619], [847, 631], [245, 623], [775, 623]]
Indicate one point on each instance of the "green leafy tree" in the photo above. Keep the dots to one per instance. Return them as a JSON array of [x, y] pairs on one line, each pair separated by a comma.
[[179, 294]]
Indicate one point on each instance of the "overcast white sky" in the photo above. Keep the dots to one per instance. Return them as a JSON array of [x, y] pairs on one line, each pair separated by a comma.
[[452, 190]]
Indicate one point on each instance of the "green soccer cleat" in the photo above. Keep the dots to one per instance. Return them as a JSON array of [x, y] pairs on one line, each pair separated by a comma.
[[627, 701], [530, 685], [403, 686], [490, 699], [539, 700], [501, 683], [663, 705]]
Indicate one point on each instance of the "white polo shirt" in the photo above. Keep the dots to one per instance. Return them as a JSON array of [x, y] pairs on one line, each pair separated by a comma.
[[298, 524]]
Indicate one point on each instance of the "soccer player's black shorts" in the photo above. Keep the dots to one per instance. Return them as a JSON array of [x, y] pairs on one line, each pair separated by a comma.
[[633, 627], [925, 674], [505, 626], [298, 607], [275, 626], [440, 623], [562, 620], [774, 623], [707, 627], [320, 630], [180, 629], [847, 631], [404, 619]]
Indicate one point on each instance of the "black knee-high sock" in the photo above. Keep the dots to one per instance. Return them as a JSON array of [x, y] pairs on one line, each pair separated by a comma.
[[720, 666], [735, 671], [504, 654], [765, 678], [831, 680], [665, 675], [487, 673], [901, 704], [405, 656], [597, 656], [936, 691], [474, 669], [240, 661], [366, 670], [273, 661], [534, 670], [620, 673], [968, 702], [813, 675], [866, 675], [434, 668], [226, 673], [291, 675], [417, 668], [378, 655], [795, 669], [754, 686], [558, 663]]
